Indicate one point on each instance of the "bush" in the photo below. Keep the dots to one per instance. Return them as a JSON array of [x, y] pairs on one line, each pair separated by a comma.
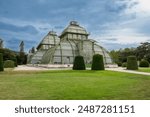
[[144, 63], [9, 64], [15, 61], [119, 64], [97, 63], [132, 63], [1, 62], [124, 64], [79, 63]]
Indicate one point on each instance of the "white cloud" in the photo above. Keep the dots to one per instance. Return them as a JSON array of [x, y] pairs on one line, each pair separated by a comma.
[[113, 21], [125, 39], [144, 5]]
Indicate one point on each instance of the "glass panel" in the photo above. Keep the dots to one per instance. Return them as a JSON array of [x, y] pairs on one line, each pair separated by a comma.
[[74, 36]]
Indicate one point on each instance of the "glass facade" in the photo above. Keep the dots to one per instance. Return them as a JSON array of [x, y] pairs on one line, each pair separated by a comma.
[[72, 42]]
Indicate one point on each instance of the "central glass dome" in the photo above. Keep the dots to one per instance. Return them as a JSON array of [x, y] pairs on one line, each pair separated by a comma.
[[74, 28]]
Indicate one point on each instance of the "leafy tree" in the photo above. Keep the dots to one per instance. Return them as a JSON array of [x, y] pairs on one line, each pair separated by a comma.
[[120, 56], [125, 53], [7, 54], [143, 51], [22, 58], [18, 58], [15, 61], [115, 56], [33, 50]]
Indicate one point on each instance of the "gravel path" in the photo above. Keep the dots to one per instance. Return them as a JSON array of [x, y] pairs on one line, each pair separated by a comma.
[[120, 69], [30, 68], [34, 68]]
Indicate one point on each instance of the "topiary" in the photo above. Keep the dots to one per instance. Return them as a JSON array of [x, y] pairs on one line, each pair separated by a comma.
[[97, 62], [144, 63], [1, 62], [79, 63], [9, 64], [132, 63], [124, 64]]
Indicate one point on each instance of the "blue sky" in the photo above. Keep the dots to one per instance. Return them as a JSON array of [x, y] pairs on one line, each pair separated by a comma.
[[113, 23]]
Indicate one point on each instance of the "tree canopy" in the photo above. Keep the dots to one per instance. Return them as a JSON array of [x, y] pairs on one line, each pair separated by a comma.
[[141, 52], [13, 55]]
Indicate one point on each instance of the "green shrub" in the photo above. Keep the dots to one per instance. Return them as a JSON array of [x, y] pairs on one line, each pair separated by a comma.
[[9, 64], [132, 63], [1, 62], [97, 62], [79, 63], [15, 61], [144, 63], [124, 64], [119, 64]]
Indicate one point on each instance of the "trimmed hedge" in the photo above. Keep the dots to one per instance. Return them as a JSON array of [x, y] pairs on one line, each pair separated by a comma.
[[144, 63], [124, 64], [97, 62], [1, 62], [132, 63], [9, 64], [79, 63]]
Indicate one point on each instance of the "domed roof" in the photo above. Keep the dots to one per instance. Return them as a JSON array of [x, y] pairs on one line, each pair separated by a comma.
[[74, 27], [50, 39]]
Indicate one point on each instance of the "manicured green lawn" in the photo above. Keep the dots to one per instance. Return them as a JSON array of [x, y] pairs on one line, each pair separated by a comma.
[[144, 69], [73, 85]]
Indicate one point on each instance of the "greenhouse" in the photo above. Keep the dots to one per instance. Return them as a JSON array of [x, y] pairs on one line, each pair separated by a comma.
[[62, 49]]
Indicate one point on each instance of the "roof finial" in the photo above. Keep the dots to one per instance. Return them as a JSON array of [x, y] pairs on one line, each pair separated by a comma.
[[74, 23]]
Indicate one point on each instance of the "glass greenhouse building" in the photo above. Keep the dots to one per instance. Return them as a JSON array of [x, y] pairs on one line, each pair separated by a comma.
[[62, 49]]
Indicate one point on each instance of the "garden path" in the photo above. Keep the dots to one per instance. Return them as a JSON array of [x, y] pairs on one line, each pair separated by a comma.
[[120, 69]]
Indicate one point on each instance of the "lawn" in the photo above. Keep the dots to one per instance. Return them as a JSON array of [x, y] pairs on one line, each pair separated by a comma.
[[68, 84], [144, 69]]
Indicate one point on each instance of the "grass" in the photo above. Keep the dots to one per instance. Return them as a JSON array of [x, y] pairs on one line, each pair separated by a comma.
[[88, 85], [144, 69]]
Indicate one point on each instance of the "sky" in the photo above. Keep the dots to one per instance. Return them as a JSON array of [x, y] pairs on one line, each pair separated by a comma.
[[114, 24]]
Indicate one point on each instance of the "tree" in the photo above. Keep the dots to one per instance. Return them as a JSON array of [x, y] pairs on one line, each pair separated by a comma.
[[8, 54], [115, 56], [143, 51], [33, 50], [17, 57], [22, 58], [15, 61], [123, 54], [120, 56], [97, 62]]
